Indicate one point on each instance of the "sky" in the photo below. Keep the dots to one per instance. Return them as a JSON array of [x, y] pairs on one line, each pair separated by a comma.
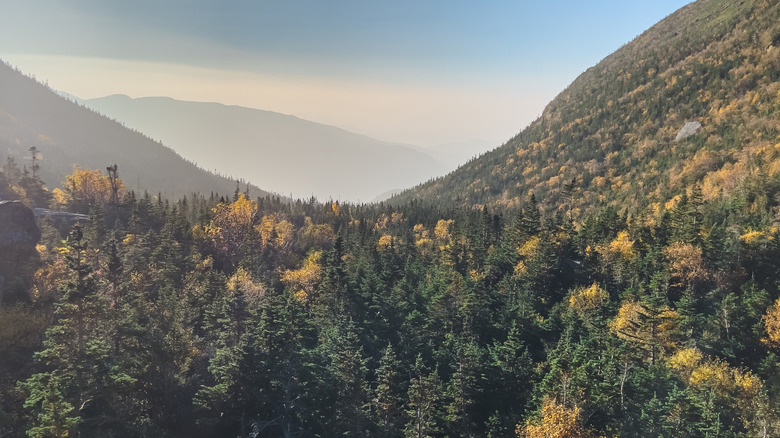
[[421, 72]]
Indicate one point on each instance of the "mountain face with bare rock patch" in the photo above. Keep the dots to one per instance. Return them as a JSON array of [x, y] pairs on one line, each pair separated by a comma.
[[612, 135]]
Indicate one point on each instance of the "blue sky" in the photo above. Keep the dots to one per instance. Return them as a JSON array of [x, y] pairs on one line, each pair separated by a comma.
[[421, 72]]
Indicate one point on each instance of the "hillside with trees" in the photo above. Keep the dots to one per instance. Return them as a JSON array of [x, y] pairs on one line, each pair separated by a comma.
[[610, 137], [66, 133], [206, 316]]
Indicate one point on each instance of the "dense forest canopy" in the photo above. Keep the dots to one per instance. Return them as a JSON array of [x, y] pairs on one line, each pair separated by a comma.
[[208, 316]]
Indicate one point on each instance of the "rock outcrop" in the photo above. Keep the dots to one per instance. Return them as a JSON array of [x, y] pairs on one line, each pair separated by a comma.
[[18, 256], [688, 130]]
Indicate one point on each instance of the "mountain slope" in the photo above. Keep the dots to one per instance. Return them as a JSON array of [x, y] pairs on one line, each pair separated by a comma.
[[613, 129], [66, 133], [276, 151]]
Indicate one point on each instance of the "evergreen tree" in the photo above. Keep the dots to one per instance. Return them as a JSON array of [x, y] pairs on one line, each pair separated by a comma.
[[510, 378], [34, 188], [229, 394], [346, 373], [389, 395], [424, 409], [464, 391], [531, 219], [71, 394]]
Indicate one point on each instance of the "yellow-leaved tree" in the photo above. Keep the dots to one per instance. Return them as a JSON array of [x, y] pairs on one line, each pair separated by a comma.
[[653, 331], [316, 236], [772, 325], [230, 231], [556, 421], [85, 188], [253, 290], [686, 264], [303, 282], [442, 232], [584, 300], [275, 232], [615, 256], [422, 238], [385, 242], [715, 377]]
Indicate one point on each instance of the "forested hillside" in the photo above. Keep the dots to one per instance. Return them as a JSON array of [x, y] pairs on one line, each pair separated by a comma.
[[66, 133], [206, 317], [611, 134]]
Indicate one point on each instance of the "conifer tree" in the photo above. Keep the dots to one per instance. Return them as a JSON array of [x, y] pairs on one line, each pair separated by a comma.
[[531, 219], [464, 390], [71, 393], [388, 397], [346, 369], [228, 394], [510, 377], [425, 406]]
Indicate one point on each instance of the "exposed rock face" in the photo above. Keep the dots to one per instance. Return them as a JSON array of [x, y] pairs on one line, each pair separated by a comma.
[[19, 228], [18, 257], [687, 130]]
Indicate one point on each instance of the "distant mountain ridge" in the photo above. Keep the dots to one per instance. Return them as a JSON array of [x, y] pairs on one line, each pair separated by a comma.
[[612, 131], [276, 151], [67, 133]]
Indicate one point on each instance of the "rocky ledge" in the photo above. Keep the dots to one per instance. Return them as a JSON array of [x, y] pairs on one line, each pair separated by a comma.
[[18, 257]]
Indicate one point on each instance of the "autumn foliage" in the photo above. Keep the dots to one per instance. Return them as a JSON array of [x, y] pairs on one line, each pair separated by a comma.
[[231, 229], [556, 421], [304, 281], [772, 325], [642, 302], [85, 188], [686, 264]]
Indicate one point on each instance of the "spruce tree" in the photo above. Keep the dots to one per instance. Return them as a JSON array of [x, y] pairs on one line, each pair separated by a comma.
[[71, 393], [387, 403], [425, 406]]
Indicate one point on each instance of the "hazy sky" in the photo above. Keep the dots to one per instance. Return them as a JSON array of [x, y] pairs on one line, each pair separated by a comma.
[[423, 72]]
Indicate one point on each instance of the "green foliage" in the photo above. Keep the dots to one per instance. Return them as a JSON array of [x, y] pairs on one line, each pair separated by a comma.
[[425, 409], [71, 392], [389, 395], [55, 416], [456, 325]]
